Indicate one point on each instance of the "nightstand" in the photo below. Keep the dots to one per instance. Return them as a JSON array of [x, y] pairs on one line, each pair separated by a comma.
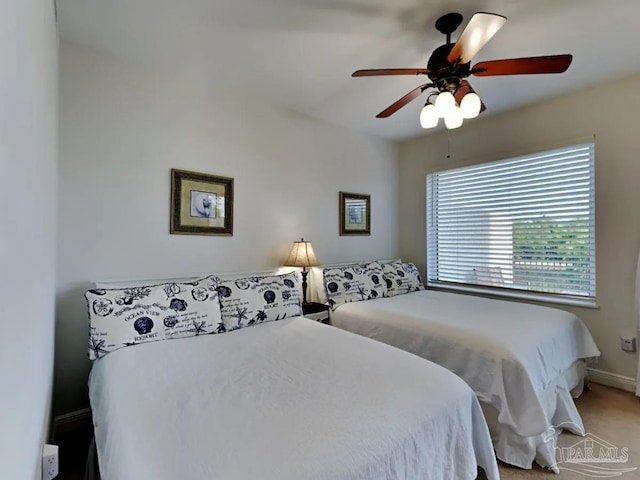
[[316, 311]]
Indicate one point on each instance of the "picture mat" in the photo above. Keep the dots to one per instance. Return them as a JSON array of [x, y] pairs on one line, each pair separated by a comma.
[[185, 204]]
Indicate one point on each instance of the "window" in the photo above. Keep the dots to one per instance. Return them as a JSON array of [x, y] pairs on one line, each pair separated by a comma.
[[524, 224]]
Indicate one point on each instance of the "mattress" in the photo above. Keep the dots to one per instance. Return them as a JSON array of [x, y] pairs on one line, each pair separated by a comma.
[[510, 353], [291, 399]]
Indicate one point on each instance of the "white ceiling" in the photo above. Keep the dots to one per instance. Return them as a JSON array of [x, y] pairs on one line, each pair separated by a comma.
[[300, 53]]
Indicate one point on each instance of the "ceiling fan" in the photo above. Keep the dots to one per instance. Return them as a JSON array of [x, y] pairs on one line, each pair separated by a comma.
[[450, 65]]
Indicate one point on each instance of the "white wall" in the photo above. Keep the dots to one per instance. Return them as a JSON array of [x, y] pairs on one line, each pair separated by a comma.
[[122, 130], [28, 150], [610, 112]]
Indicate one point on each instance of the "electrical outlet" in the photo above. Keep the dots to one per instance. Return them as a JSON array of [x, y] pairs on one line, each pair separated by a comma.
[[628, 344], [49, 462]]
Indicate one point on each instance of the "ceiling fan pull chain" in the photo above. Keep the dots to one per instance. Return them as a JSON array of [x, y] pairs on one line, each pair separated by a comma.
[[448, 145]]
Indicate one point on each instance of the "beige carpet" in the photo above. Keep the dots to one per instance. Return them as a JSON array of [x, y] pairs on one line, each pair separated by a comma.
[[610, 415]]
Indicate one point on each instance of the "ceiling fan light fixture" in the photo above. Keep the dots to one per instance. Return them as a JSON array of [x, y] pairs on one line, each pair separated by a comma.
[[470, 105], [453, 118], [429, 116], [449, 65], [445, 103]]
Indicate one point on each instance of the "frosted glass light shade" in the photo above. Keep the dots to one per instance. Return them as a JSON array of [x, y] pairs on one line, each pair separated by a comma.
[[470, 105], [444, 104], [428, 116], [453, 118]]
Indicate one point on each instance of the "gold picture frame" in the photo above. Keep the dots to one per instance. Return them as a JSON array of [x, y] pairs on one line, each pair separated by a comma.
[[201, 204], [355, 214]]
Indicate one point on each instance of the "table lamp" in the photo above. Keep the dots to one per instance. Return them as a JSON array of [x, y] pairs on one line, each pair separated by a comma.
[[302, 255]]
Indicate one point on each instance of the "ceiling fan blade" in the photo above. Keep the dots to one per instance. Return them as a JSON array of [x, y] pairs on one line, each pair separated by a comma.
[[390, 71], [475, 35], [523, 66], [462, 90], [412, 95]]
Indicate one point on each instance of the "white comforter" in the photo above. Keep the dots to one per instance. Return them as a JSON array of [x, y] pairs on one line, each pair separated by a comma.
[[508, 352], [283, 400]]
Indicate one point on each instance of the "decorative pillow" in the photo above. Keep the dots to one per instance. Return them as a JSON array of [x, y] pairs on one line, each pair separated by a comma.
[[127, 316], [251, 300], [353, 283], [317, 276], [401, 278]]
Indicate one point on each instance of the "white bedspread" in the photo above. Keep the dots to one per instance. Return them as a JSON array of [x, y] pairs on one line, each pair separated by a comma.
[[508, 352], [283, 400]]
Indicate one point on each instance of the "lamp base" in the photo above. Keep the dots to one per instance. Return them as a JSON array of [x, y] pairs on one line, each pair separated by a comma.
[[304, 285]]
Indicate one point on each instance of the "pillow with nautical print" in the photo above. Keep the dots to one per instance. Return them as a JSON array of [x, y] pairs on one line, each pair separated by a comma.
[[128, 316], [401, 278], [353, 283], [251, 300]]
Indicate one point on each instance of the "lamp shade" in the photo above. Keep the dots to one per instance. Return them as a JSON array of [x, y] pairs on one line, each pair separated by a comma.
[[445, 102], [301, 255], [470, 105], [428, 116], [453, 118]]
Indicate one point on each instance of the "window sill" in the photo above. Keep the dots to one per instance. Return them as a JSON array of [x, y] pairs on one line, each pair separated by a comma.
[[521, 295]]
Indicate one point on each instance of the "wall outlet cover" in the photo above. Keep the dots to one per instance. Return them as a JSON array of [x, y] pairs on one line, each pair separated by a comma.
[[50, 465], [628, 344]]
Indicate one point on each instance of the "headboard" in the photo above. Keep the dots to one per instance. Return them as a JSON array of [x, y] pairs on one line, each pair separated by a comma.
[[125, 283]]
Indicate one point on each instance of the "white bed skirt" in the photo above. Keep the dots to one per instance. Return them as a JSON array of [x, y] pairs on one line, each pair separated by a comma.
[[561, 413]]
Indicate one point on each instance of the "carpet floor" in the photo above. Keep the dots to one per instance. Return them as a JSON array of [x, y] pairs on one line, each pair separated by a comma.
[[612, 420]]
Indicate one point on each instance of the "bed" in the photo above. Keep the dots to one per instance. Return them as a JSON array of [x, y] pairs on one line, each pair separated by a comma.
[[523, 361], [286, 399]]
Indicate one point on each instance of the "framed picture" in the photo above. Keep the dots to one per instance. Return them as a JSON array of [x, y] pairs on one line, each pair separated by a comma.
[[355, 214], [201, 204]]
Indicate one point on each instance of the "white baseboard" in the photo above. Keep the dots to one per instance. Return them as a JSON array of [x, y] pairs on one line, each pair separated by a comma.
[[71, 421], [609, 379]]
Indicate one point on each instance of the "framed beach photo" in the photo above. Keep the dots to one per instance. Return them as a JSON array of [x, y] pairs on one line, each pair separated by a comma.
[[355, 214], [201, 204]]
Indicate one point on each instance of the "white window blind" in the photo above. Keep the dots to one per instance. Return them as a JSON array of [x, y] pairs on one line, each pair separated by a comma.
[[526, 223]]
